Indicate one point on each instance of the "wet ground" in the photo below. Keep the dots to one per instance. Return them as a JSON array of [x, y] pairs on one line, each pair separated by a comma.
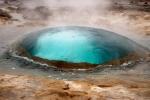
[[24, 82]]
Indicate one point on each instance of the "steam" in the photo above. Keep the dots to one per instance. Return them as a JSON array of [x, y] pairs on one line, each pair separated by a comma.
[[76, 4], [94, 13], [67, 11], [91, 13]]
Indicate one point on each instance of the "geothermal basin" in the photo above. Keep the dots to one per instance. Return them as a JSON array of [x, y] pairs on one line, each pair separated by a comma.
[[76, 47]]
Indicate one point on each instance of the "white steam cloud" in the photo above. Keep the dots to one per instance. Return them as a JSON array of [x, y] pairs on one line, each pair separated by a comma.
[[93, 13]]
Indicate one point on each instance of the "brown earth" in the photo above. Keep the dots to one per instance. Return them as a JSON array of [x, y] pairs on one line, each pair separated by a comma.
[[34, 88]]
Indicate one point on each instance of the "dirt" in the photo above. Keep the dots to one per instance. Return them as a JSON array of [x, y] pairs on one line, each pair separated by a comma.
[[34, 88]]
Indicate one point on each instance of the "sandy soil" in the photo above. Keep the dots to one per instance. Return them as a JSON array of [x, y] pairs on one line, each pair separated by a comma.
[[31, 88]]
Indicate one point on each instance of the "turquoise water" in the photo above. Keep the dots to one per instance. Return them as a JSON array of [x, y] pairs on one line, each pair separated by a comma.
[[78, 45]]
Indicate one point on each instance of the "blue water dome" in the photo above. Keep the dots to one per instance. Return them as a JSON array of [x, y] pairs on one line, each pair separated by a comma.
[[77, 45]]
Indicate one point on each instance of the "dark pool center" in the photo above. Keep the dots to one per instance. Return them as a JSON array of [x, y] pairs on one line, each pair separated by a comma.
[[77, 45]]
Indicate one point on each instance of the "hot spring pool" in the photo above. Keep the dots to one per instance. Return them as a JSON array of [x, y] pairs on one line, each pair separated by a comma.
[[74, 47]]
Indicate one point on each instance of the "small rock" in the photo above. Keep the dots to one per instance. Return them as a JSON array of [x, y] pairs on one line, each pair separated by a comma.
[[13, 68], [4, 14]]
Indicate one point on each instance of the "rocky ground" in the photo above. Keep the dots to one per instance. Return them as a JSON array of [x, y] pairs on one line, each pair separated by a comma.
[[131, 19], [33, 88]]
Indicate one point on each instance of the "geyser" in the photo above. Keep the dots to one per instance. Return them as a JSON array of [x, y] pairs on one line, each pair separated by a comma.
[[74, 47]]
